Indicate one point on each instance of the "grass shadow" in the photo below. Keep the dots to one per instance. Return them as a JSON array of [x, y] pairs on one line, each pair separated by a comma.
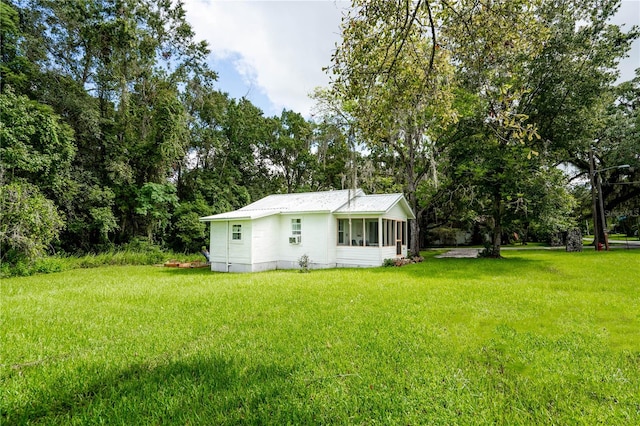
[[470, 268], [189, 271], [201, 389]]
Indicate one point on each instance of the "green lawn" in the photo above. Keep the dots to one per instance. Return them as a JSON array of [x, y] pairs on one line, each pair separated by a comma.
[[539, 337]]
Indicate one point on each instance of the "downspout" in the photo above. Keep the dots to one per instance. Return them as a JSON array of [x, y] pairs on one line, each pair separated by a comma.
[[331, 219], [210, 245], [227, 238], [380, 231]]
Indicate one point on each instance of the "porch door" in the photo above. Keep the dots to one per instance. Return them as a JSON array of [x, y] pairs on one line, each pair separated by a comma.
[[398, 238]]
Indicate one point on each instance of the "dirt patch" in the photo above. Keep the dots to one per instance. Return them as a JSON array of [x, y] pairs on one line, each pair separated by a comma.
[[464, 253]]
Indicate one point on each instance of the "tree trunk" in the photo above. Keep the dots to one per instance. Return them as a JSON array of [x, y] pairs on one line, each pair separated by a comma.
[[598, 236], [414, 244], [497, 226], [414, 241]]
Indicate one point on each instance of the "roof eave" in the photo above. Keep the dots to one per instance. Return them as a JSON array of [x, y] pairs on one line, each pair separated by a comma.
[[248, 216], [298, 212], [361, 212]]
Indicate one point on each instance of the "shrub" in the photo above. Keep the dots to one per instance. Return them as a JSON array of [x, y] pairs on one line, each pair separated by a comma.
[[29, 223], [389, 262], [47, 265], [304, 263], [401, 261], [138, 252]]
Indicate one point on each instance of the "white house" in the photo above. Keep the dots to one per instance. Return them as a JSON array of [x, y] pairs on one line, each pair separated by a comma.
[[334, 228]]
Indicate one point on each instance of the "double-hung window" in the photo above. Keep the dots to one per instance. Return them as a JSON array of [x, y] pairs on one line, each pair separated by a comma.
[[296, 231], [236, 232], [296, 226], [343, 232]]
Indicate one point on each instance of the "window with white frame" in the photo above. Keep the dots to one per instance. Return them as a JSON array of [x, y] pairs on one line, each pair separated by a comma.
[[236, 232], [344, 231], [296, 226]]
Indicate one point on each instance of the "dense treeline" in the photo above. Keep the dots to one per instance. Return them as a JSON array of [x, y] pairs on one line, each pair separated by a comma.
[[479, 102], [112, 130]]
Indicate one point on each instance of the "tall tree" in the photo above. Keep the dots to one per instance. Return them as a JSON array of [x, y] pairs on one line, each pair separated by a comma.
[[114, 69], [223, 166], [494, 44], [332, 156], [571, 83], [537, 71], [15, 69], [288, 151], [336, 117], [617, 154], [391, 71], [37, 147], [36, 150]]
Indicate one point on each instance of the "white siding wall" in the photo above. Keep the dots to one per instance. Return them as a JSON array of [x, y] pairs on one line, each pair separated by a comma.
[[389, 253], [396, 213], [240, 250], [332, 239], [358, 256], [218, 246], [364, 256], [265, 249], [222, 245], [266, 232], [314, 241], [218, 241]]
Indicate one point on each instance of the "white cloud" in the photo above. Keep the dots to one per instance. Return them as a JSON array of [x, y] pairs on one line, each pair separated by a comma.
[[627, 16], [279, 47]]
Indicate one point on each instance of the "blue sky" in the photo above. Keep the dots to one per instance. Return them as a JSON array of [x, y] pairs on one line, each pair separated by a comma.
[[273, 52]]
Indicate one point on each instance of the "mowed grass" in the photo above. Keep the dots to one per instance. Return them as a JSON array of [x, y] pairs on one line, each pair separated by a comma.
[[536, 338]]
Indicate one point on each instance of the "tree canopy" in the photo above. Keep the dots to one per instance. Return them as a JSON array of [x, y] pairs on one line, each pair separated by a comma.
[[111, 129], [490, 95]]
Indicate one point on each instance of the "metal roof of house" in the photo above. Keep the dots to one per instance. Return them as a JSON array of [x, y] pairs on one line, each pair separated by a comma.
[[326, 201], [376, 203], [307, 202]]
